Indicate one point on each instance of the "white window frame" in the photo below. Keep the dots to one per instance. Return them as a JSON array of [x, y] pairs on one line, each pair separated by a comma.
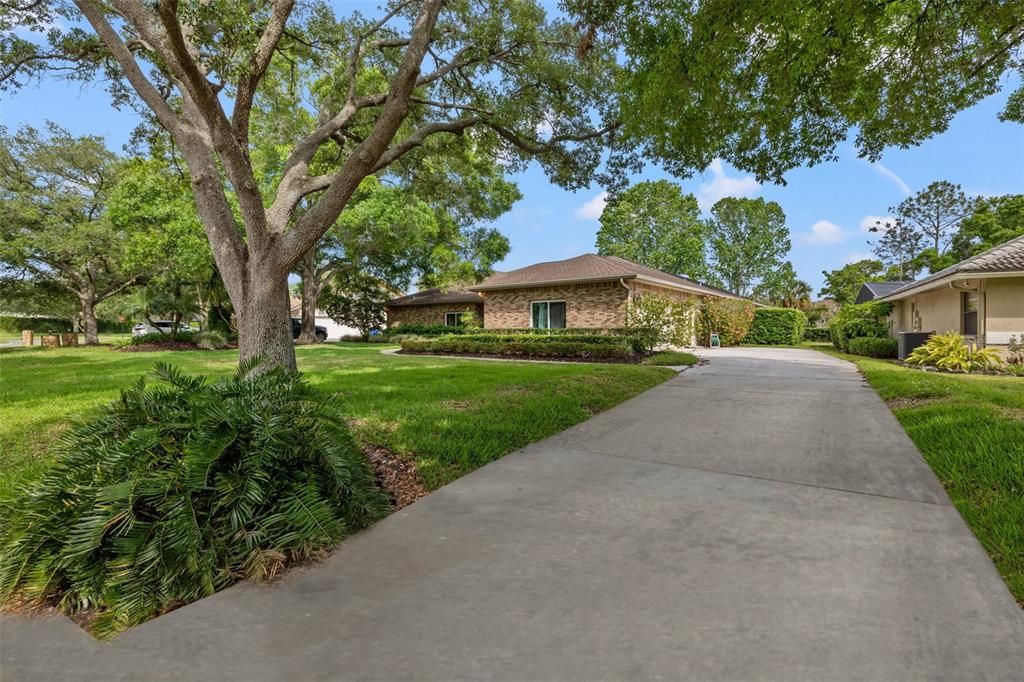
[[550, 301], [456, 313]]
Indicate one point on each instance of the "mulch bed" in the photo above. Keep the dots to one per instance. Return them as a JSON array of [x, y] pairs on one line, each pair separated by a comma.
[[632, 360], [397, 475]]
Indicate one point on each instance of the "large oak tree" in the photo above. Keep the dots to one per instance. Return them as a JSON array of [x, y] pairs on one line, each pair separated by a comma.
[[499, 74]]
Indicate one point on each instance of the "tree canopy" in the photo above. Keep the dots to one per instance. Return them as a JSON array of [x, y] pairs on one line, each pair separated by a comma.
[[770, 86], [843, 285], [749, 240], [655, 224]]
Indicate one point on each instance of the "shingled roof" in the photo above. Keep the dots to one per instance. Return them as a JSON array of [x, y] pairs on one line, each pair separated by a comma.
[[591, 267], [869, 291], [435, 296], [1007, 257]]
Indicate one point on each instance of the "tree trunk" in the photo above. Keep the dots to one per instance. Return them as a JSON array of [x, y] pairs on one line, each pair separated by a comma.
[[310, 294], [92, 337], [264, 321]]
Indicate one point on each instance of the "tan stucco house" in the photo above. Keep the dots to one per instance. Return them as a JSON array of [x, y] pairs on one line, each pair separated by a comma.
[[588, 291], [981, 298]]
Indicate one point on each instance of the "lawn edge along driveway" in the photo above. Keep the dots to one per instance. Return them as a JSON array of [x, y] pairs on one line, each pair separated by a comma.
[[970, 431]]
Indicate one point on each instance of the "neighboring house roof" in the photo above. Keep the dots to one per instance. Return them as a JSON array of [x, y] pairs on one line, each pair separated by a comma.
[[869, 291], [436, 296], [1005, 259], [591, 267]]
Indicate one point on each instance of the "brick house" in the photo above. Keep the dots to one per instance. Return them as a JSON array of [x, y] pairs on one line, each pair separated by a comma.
[[588, 291], [434, 306]]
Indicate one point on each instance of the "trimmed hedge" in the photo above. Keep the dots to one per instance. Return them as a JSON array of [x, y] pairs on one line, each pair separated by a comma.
[[442, 330], [817, 334], [161, 337], [16, 324], [727, 317], [521, 346], [500, 337], [859, 320], [873, 347], [776, 326]]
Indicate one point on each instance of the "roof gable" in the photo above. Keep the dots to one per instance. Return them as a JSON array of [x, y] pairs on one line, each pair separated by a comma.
[[591, 267], [1007, 257]]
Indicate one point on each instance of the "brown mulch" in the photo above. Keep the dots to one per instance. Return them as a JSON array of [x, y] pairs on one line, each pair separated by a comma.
[[396, 474]]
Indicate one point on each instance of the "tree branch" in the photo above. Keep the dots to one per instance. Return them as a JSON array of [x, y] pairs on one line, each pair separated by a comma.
[[260, 60], [312, 225], [119, 51]]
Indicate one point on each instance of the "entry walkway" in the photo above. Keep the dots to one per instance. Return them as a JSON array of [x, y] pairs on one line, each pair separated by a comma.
[[760, 517]]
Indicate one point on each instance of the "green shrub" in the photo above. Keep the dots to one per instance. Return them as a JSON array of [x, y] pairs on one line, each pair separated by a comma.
[[521, 346], [161, 337], [505, 337], [951, 351], [427, 329], [817, 334], [873, 347], [654, 320], [776, 326], [179, 489], [859, 320], [729, 318], [15, 324], [672, 357]]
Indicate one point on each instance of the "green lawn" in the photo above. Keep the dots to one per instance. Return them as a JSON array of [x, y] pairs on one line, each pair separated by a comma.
[[672, 358], [970, 429], [451, 415]]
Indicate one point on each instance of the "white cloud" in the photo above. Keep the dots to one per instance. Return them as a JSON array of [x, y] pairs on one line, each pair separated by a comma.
[[545, 129], [825, 232], [868, 221], [722, 186], [858, 256], [593, 209], [890, 175]]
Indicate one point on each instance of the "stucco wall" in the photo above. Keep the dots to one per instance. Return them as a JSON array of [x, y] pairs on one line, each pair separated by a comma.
[[598, 305], [939, 311], [1004, 310], [428, 314]]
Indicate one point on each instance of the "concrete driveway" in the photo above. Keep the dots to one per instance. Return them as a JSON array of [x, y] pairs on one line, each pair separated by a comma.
[[760, 517]]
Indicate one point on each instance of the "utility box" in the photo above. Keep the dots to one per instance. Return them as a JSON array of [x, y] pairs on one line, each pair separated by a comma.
[[906, 342]]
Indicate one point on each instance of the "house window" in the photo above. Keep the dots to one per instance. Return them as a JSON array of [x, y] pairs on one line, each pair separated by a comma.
[[969, 307], [453, 319], [547, 314]]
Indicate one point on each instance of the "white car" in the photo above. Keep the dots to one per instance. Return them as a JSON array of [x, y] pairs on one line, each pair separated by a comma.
[[158, 327]]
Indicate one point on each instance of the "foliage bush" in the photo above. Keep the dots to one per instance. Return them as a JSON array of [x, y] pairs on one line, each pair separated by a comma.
[[1015, 351], [672, 357], [212, 339], [653, 320], [522, 346], [859, 320], [873, 347], [952, 352], [162, 337], [179, 489], [506, 337], [776, 326], [817, 334], [729, 318], [442, 330]]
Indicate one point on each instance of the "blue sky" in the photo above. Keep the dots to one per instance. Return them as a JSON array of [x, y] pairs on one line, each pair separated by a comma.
[[826, 205]]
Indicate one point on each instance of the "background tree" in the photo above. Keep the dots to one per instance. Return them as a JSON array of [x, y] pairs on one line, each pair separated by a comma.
[[843, 285], [898, 247], [53, 194], [357, 299], [783, 288], [935, 212], [655, 224], [421, 225], [488, 74], [749, 239], [772, 86], [995, 220]]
